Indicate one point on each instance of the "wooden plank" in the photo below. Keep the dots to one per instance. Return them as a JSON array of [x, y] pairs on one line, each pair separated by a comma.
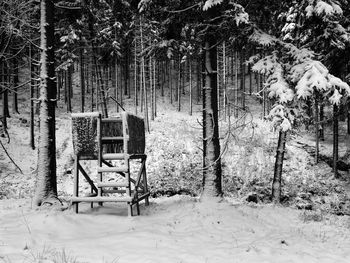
[[85, 114], [112, 169], [111, 184], [112, 138], [114, 191], [112, 119], [114, 156], [100, 199]]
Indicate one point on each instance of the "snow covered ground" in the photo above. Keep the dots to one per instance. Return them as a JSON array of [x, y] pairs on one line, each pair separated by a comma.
[[173, 229]]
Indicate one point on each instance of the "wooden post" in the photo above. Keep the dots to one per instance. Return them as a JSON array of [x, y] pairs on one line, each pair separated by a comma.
[[76, 182]]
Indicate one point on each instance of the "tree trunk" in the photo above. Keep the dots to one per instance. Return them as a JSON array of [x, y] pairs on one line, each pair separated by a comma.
[[171, 81], [15, 84], [46, 184], [5, 94], [243, 88], [212, 186], [135, 79], [190, 85], [91, 79], [317, 134], [151, 87], [199, 80], [277, 177], [322, 122], [32, 84], [69, 89], [348, 116], [236, 85], [179, 85], [82, 82], [126, 73], [335, 140], [155, 87]]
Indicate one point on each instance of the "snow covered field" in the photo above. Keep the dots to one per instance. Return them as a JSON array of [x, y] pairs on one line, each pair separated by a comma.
[[175, 229]]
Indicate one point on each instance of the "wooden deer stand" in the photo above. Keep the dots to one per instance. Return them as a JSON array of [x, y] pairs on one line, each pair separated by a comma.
[[113, 142]]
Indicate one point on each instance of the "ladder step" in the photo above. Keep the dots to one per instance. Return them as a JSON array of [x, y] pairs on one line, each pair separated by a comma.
[[114, 156], [112, 138], [100, 199], [91, 195], [111, 184], [112, 119], [121, 169]]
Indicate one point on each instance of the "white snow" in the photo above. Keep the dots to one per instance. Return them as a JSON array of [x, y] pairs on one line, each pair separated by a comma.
[[177, 229]]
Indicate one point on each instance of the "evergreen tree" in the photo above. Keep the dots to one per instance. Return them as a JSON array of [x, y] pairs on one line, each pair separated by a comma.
[[46, 183]]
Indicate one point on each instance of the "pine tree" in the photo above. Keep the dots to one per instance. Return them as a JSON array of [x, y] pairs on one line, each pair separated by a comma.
[[46, 183]]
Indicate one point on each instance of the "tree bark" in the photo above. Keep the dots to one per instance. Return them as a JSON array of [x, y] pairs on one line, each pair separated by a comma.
[[277, 177], [212, 186], [32, 84], [82, 81], [243, 86], [15, 84], [335, 140], [5, 94], [46, 184], [322, 122], [317, 134]]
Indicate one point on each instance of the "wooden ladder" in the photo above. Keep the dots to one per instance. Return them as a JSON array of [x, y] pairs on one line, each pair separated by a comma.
[[132, 190]]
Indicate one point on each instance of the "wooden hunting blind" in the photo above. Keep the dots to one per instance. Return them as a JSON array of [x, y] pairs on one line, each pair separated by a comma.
[[113, 142]]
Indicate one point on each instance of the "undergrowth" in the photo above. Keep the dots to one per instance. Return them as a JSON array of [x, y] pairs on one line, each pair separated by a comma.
[[175, 159]]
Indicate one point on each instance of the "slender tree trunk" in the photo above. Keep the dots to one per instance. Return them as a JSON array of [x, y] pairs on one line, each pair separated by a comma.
[[250, 79], [236, 85], [322, 122], [154, 87], [144, 86], [243, 88], [15, 84], [126, 73], [91, 79], [277, 177], [135, 79], [179, 86], [46, 184], [69, 89], [165, 73], [151, 87], [5, 94], [317, 134], [32, 85], [335, 140], [199, 80], [118, 85], [190, 82], [82, 82], [224, 78], [348, 116], [212, 186], [171, 80], [101, 89]]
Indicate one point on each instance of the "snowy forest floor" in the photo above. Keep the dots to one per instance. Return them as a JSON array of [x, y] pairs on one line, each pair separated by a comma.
[[177, 227]]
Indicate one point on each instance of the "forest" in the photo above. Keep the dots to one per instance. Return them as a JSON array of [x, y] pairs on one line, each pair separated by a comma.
[[174, 131]]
